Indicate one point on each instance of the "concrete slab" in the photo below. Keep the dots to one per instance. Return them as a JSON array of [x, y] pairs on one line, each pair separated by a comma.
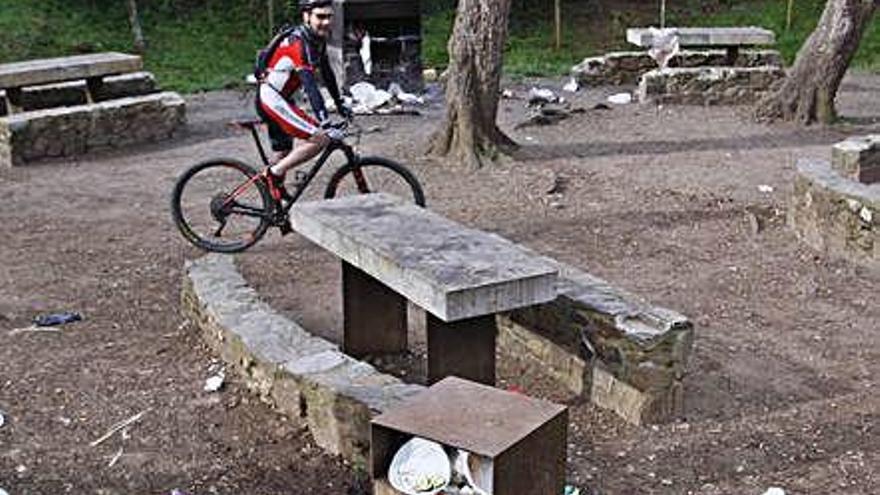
[[50, 70], [706, 36], [452, 271]]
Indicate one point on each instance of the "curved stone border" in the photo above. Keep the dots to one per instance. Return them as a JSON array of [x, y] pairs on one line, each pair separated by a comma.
[[638, 352], [835, 214], [300, 374]]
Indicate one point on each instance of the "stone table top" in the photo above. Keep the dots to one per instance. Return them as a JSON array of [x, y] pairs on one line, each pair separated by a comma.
[[452, 271], [49, 70], [706, 36]]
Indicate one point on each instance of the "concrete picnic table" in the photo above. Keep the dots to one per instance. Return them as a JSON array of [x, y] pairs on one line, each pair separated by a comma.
[[731, 38], [393, 251], [92, 67]]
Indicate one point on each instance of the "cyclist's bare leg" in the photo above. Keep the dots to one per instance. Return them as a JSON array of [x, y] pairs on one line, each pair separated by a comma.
[[303, 152]]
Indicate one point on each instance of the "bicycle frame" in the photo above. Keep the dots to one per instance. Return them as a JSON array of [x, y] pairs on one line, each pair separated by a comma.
[[347, 150]]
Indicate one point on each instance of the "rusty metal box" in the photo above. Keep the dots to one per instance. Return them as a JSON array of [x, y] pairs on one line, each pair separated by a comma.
[[524, 438]]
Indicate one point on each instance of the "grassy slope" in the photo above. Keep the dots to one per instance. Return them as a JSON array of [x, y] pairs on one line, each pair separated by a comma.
[[188, 51], [214, 47]]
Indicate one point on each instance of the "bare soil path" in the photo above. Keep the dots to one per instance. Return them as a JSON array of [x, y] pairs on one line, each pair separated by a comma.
[[783, 384]]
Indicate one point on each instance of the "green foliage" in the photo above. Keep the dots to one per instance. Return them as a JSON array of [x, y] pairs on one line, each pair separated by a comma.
[[191, 45], [200, 44], [436, 29], [530, 48]]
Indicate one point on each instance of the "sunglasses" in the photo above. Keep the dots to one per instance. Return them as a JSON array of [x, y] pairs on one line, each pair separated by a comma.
[[323, 17]]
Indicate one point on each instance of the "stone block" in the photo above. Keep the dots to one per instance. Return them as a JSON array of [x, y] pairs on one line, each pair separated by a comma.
[[72, 93], [594, 326], [305, 377], [706, 36], [53, 70], [75, 130], [708, 85], [858, 158], [618, 68], [835, 214], [452, 271]]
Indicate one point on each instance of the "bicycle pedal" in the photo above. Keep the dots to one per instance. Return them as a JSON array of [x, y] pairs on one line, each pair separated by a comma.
[[285, 227]]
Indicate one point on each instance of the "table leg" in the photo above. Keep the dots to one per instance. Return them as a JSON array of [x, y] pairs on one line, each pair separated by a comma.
[[732, 55], [93, 88], [14, 103], [374, 316], [464, 348]]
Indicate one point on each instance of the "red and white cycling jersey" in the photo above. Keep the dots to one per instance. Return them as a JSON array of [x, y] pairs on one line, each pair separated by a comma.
[[292, 56]]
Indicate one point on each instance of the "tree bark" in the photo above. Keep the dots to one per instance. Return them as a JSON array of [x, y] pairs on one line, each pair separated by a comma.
[[469, 133], [137, 33], [807, 93]]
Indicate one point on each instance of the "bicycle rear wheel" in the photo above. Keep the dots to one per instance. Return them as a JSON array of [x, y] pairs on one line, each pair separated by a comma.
[[375, 174], [222, 205]]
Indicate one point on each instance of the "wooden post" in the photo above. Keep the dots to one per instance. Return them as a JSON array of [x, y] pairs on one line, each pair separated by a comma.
[[662, 14], [558, 8]]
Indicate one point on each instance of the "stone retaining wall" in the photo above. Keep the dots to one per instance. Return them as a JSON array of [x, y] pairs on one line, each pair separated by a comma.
[[835, 214], [618, 68], [74, 130], [628, 355], [74, 92], [303, 376], [708, 85]]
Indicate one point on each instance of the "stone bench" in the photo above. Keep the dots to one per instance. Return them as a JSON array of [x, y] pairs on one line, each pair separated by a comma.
[[305, 377], [835, 207], [596, 340], [732, 39], [618, 68], [393, 251], [708, 85], [66, 131], [72, 93], [46, 106], [92, 68]]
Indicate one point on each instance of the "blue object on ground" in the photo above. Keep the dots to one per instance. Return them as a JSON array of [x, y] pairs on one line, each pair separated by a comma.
[[57, 319]]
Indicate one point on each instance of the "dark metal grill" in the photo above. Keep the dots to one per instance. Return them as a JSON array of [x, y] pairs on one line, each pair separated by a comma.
[[395, 29]]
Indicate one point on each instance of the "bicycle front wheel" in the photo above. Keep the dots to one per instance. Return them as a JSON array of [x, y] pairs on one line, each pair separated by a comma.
[[374, 174], [222, 205]]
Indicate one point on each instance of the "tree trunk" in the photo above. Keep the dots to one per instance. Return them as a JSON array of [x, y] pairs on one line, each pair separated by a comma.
[[807, 93], [137, 33], [469, 133]]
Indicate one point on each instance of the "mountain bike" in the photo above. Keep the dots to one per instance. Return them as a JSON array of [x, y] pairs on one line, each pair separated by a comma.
[[225, 205]]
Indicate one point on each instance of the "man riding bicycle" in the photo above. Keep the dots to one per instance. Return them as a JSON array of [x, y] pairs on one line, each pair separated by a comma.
[[292, 66]]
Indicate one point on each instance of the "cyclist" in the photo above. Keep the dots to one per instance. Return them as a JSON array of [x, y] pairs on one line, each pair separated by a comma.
[[292, 66]]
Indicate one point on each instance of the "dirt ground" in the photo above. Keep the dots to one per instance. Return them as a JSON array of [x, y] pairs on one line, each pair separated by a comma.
[[782, 387]]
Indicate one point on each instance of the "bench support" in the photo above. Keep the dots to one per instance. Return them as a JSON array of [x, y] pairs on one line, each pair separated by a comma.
[[732, 55], [14, 100], [464, 348], [93, 88], [374, 316]]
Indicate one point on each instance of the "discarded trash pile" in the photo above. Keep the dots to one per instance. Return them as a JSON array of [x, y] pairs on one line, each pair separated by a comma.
[[423, 467], [366, 99]]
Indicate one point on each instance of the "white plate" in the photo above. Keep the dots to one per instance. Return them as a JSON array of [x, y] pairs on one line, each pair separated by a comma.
[[415, 460]]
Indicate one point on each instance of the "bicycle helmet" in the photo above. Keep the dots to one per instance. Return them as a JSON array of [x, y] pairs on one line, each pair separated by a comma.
[[306, 5]]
